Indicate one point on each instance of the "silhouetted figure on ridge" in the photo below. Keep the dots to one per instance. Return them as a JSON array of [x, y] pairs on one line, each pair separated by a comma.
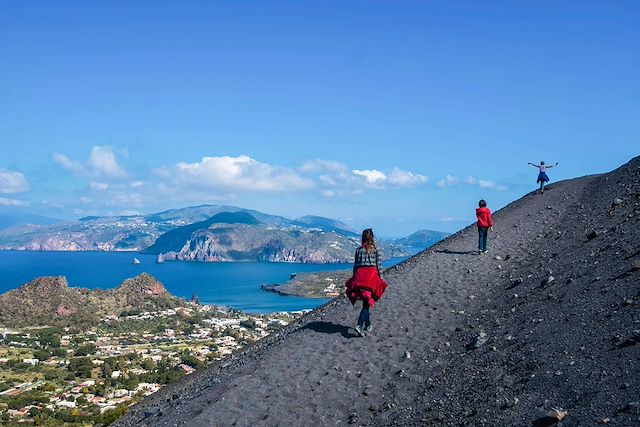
[[542, 175]]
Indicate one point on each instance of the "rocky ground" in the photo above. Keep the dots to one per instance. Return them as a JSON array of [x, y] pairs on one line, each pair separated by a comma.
[[548, 319]]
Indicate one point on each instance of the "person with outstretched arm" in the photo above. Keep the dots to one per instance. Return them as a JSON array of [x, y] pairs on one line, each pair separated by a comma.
[[542, 174]]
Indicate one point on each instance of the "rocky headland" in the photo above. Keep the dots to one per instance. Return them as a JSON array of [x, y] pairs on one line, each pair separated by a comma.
[[323, 284], [50, 301], [239, 236], [543, 328]]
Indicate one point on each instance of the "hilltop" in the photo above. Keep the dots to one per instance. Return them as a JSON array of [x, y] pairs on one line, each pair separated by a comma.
[[50, 300], [239, 236], [548, 319]]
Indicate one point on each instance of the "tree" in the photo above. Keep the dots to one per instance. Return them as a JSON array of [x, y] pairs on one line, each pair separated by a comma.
[[85, 350], [42, 354], [148, 364], [49, 340], [249, 323], [106, 370], [192, 361], [80, 366]]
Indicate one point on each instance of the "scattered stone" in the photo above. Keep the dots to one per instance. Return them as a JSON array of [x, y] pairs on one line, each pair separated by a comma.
[[592, 234], [510, 403], [498, 257], [150, 412], [547, 280], [604, 420], [407, 355], [558, 413], [617, 201], [374, 408], [480, 340], [635, 264], [627, 302]]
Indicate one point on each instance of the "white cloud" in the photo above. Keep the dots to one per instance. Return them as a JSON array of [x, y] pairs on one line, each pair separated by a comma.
[[12, 182], [68, 164], [12, 202], [235, 173], [85, 200], [448, 181], [487, 184], [136, 184], [491, 185], [405, 178], [100, 186], [102, 163], [372, 176]]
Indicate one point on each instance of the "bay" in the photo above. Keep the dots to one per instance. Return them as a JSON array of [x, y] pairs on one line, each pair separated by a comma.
[[230, 284]]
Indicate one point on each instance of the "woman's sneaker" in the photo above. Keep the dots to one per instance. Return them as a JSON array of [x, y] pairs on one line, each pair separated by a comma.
[[360, 331], [369, 328]]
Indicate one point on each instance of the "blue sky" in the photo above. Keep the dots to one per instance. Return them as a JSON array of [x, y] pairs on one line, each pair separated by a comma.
[[357, 110]]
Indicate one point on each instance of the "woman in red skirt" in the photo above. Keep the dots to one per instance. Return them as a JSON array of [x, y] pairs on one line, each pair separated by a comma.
[[366, 284]]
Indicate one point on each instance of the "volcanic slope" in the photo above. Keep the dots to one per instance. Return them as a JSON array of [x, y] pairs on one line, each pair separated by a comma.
[[549, 318]]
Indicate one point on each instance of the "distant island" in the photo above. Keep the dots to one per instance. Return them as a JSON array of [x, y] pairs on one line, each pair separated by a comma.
[[210, 233]]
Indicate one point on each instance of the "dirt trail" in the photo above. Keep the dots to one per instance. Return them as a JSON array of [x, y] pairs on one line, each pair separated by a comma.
[[566, 341]]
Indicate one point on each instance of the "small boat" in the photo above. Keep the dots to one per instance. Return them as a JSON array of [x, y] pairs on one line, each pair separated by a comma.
[[159, 259], [136, 261]]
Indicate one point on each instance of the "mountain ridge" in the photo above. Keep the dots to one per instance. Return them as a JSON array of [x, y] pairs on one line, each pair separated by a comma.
[[140, 232]]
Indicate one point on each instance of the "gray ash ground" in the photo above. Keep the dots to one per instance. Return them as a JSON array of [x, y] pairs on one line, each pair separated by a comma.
[[549, 318]]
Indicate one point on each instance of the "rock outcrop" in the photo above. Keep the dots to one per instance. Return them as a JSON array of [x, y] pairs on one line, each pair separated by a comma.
[[49, 300]]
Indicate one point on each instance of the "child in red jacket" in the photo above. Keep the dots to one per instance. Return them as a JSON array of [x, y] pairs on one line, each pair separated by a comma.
[[485, 223]]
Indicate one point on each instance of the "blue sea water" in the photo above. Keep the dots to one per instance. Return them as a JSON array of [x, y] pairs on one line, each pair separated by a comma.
[[235, 284]]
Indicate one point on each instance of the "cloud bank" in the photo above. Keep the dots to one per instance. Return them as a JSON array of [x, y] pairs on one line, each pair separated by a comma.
[[12, 182], [487, 184]]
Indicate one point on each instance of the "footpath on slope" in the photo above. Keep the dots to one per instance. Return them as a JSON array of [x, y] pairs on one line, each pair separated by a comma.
[[457, 336]]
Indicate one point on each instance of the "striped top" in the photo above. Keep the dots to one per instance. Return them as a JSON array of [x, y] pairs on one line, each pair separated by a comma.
[[371, 259]]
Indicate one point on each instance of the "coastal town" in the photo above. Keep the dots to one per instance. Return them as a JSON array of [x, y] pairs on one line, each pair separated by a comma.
[[88, 376]]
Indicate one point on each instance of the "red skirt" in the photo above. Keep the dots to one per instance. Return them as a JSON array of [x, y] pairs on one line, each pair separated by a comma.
[[366, 285]]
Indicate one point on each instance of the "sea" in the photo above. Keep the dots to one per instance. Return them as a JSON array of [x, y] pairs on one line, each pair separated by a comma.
[[229, 284]]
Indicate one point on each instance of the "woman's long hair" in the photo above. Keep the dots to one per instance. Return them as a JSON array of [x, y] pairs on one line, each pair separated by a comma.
[[368, 241]]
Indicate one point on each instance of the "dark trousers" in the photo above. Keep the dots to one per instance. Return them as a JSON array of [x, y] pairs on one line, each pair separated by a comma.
[[363, 319], [482, 238]]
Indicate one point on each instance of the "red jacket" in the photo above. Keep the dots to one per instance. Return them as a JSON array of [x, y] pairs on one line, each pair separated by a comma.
[[365, 284], [484, 217]]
